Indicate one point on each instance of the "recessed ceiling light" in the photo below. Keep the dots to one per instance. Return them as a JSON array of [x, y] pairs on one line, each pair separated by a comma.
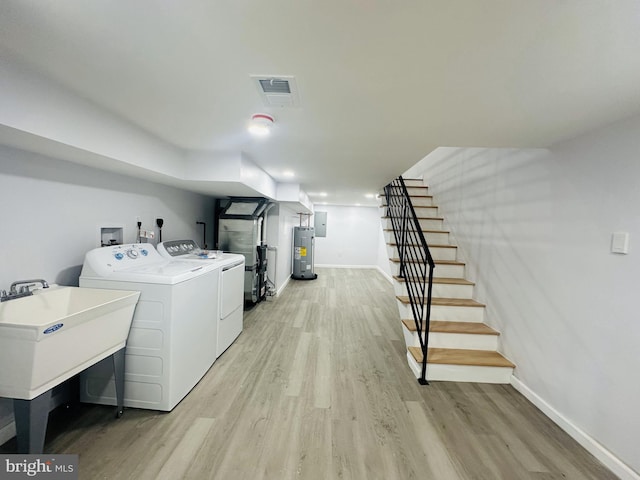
[[260, 124], [323, 194], [357, 204], [288, 173], [369, 195]]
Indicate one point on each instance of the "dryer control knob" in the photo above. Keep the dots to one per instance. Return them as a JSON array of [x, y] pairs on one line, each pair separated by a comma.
[[132, 254], [119, 256], [144, 252]]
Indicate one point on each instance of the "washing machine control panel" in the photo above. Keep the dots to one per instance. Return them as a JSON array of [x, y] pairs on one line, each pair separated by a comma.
[[128, 253], [101, 262], [176, 248]]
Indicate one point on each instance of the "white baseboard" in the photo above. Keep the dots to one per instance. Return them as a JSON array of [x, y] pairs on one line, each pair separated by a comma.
[[385, 274], [590, 444], [286, 282], [7, 432], [366, 267]]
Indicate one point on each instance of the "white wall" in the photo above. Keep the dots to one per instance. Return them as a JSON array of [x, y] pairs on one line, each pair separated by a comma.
[[535, 227], [353, 235], [383, 257], [51, 212], [354, 239]]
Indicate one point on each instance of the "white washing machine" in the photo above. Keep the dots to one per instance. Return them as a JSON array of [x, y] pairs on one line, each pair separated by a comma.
[[174, 325], [231, 284]]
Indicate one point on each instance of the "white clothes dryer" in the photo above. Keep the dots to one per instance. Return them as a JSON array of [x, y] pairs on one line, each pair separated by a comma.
[[231, 285], [174, 325]]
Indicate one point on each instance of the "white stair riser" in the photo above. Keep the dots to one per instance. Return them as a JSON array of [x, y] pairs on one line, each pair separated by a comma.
[[438, 253], [444, 253], [454, 313], [431, 223], [420, 197], [441, 270], [413, 182], [413, 189], [426, 211], [417, 191], [462, 373], [425, 223], [410, 338], [415, 201], [449, 271], [422, 201], [446, 312], [436, 238], [432, 238], [444, 290], [420, 211], [466, 341]]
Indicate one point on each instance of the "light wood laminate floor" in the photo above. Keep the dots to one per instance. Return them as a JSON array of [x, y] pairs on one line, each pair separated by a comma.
[[318, 387]]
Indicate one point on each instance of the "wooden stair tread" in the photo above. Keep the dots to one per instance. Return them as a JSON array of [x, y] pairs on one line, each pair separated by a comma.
[[394, 244], [444, 280], [437, 262], [446, 302], [413, 195], [417, 186], [454, 356], [426, 230], [383, 196], [419, 218], [440, 326]]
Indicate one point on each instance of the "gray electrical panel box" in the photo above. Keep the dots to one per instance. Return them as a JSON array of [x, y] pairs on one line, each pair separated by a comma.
[[303, 243], [320, 223]]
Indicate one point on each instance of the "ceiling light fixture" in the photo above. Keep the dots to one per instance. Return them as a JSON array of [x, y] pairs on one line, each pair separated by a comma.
[[288, 174], [260, 124]]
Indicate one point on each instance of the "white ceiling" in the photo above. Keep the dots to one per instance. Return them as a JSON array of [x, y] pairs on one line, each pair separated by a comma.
[[381, 83]]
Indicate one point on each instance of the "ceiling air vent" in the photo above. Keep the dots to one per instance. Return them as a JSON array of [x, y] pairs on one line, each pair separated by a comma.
[[277, 91], [275, 85]]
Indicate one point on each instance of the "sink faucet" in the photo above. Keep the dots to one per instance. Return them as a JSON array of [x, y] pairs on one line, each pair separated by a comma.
[[23, 291], [26, 284]]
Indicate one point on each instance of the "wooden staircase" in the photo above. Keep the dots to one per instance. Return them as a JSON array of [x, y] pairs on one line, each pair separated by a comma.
[[461, 346]]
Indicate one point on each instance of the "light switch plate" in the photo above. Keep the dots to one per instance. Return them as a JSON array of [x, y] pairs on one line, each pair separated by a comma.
[[620, 242]]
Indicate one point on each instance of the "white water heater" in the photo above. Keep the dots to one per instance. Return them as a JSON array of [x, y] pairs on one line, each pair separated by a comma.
[[303, 243]]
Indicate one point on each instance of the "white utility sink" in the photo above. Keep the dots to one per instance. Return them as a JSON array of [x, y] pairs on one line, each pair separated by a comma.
[[56, 333]]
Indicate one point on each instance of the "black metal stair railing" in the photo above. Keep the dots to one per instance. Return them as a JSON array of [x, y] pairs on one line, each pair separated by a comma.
[[416, 262]]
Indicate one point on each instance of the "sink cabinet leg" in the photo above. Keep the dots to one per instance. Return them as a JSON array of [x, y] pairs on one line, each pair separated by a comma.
[[118, 373], [31, 418]]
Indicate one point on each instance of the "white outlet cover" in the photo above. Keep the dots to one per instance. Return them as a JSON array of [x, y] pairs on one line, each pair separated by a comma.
[[620, 242]]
